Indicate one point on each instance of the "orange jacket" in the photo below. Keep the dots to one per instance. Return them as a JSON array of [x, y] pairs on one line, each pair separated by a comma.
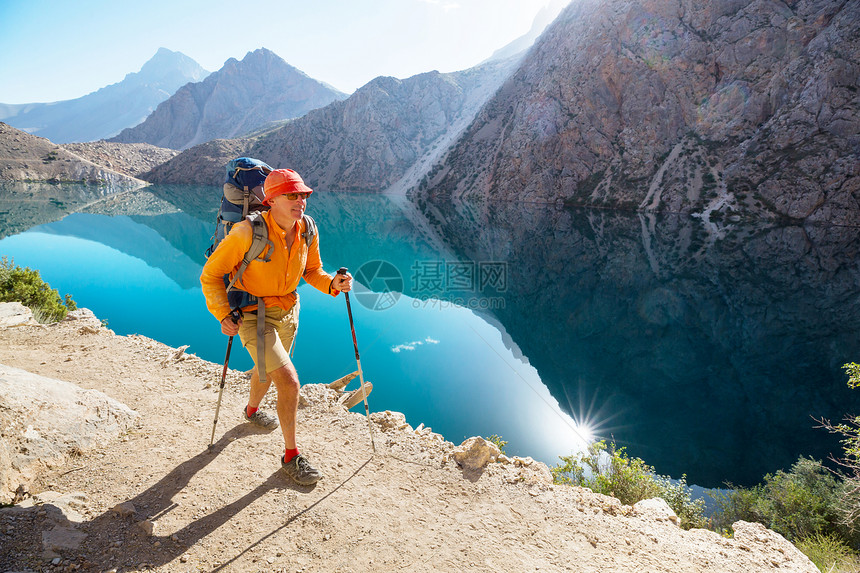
[[276, 281]]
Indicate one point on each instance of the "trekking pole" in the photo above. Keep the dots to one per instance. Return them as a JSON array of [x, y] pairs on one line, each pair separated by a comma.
[[234, 316], [343, 271]]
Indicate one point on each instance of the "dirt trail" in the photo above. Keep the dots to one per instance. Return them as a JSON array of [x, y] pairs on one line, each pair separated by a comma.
[[407, 508]]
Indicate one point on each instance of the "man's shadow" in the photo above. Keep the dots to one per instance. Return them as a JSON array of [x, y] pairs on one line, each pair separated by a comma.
[[114, 540]]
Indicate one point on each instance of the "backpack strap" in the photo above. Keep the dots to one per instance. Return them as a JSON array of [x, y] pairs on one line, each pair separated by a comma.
[[310, 229], [259, 242], [261, 339]]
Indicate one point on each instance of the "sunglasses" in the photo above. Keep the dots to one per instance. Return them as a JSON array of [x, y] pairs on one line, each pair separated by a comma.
[[294, 196]]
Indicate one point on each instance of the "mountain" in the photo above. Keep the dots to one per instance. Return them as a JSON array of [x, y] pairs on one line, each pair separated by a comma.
[[106, 112], [239, 98], [369, 141], [385, 135], [722, 109], [544, 18]]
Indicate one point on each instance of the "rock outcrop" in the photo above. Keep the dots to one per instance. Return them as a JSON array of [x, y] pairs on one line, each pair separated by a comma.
[[237, 99], [44, 421], [106, 112], [475, 453], [669, 105]]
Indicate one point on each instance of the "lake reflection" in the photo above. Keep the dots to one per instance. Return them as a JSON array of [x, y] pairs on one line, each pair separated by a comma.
[[704, 350]]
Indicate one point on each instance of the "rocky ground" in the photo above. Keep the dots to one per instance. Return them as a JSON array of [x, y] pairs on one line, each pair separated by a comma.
[[156, 498]]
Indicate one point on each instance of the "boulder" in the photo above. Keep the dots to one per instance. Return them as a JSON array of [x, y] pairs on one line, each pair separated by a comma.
[[475, 453], [656, 509], [388, 420], [15, 314], [42, 420]]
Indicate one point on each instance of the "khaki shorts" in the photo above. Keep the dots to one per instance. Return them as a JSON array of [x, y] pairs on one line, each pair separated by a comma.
[[281, 327]]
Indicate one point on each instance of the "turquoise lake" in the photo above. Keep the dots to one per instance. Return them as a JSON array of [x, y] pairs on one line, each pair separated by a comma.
[[706, 348]]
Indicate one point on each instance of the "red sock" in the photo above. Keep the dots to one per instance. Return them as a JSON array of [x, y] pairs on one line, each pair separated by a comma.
[[290, 454], [250, 411]]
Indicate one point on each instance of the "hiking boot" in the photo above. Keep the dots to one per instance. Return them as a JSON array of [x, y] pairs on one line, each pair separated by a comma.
[[301, 471], [261, 418]]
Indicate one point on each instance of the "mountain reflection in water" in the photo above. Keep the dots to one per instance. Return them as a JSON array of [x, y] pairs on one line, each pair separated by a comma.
[[708, 353], [705, 349]]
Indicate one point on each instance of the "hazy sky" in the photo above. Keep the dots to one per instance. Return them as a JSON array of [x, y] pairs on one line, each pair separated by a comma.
[[52, 50]]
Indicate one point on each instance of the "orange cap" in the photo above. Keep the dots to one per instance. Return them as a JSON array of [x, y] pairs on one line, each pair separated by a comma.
[[282, 181]]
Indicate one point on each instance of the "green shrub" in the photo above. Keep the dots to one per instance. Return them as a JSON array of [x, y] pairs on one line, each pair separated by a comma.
[[608, 470], [829, 553], [679, 496], [798, 504], [500, 443], [26, 286], [850, 432]]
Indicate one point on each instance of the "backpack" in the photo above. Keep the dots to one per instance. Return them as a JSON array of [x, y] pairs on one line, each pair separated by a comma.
[[242, 198], [242, 194]]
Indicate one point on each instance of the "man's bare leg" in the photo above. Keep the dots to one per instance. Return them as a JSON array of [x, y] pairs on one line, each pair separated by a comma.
[[286, 381]]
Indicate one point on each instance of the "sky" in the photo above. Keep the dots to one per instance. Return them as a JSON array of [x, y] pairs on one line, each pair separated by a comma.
[[52, 50]]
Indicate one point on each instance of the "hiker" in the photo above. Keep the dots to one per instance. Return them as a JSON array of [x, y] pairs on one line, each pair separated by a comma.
[[275, 281]]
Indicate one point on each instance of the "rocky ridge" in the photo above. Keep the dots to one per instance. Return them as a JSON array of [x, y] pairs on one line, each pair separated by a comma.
[[202, 164], [25, 157], [157, 498], [715, 109], [723, 110], [387, 130], [237, 99]]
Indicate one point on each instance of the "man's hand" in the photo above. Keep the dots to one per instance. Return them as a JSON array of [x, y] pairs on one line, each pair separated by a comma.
[[343, 283], [229, 327]]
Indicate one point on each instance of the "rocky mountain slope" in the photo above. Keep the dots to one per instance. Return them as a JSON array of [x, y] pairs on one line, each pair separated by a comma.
[[713, 108], [106, 112], [133, 159], [366, 142], [31, 167], [235, 100], [25, 157], [155, 497], [202, 164]]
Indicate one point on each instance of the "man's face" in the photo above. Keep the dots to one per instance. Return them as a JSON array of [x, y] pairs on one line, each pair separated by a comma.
[[289, 205]]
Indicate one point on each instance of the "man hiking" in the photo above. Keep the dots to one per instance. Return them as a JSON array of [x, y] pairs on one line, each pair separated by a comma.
[[291, 257]]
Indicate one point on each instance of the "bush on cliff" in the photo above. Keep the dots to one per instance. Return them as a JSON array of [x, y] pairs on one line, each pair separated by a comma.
[[609, 470], [800, 503], [26, 286]]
